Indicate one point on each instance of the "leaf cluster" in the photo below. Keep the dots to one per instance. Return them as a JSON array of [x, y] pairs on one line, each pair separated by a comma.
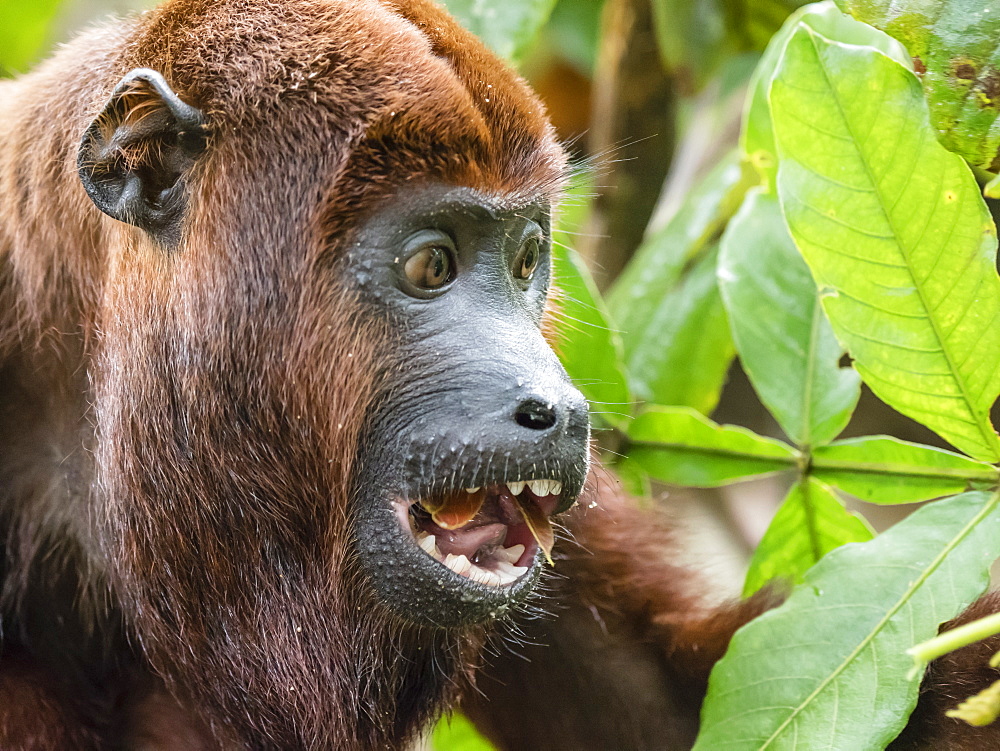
[[845, 242]]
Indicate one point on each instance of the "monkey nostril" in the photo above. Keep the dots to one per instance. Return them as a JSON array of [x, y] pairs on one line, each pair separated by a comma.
[[536, 415]]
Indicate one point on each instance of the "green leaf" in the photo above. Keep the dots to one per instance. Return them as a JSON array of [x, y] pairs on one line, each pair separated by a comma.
[[809, 524], [680, 446], [684, 361], [658, 263], [757, 136], [829, 669], [456, 733], [24, 29], [895, 232], [675, 336], [957, 44], [589, 347], [506, 26], [785, 343], [635, 480], [880, 469]]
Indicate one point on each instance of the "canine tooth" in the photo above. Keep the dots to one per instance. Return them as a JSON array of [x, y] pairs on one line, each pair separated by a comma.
[[472, 490], [539, 526], [516, 488], [514, 553], [427, 543]]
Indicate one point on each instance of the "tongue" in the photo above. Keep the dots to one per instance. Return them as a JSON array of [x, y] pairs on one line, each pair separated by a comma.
[[471, 540], [456, 510]]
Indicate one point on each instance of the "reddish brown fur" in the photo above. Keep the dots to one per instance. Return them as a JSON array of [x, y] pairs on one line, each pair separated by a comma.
[[221, 389], [178, 429]]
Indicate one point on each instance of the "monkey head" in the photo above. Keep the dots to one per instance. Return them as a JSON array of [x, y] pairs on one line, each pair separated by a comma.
[[322, 366]]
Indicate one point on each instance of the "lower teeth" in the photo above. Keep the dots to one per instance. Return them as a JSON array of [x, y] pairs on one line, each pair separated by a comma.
[[503, 573]]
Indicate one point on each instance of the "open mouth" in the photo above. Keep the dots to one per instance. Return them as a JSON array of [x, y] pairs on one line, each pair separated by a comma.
[[489, 535]]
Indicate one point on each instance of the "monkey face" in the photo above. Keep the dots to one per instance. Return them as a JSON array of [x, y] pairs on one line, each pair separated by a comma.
[[481, 438]]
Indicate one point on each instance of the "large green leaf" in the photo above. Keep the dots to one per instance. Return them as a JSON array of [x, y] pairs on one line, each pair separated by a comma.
[[680, 446], [658, 263], [829, 669], [881, 469], [785, 343], [507, 26], [757, 136], [590, 348], [809, 524], [675, 335], [956, 46], [896, 233], [684, 359]]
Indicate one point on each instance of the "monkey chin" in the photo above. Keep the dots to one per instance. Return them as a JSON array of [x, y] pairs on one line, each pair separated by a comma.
[[457, 557]]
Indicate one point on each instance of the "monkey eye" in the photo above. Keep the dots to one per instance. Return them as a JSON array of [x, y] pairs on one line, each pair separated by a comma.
[[431, 267], [526, 259]]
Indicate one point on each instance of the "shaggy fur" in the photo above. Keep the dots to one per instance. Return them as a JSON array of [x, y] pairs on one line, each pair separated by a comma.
[[178, 428]]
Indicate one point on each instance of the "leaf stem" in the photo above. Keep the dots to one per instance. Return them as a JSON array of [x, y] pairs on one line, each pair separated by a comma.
[[955, 638]]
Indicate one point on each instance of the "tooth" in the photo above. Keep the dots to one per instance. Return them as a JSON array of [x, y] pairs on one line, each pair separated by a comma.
[[539, 525], [515, 487], [427, 543], [514, 553], [511, 571], [492, 579], [539, 487], [472, 490], [458, 509], [556, 488], [483, 576], [458, 563]]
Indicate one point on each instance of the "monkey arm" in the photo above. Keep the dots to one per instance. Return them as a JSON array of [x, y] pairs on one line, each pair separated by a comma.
[[622, 657], [949, 680]]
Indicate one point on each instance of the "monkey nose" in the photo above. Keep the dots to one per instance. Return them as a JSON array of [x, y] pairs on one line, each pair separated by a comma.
[[536, 414], [540, 413]]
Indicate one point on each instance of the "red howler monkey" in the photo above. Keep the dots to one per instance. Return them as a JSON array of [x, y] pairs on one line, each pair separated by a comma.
[[280, 434]]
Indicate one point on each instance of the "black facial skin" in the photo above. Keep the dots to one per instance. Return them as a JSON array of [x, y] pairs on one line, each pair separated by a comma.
[[479, 397]]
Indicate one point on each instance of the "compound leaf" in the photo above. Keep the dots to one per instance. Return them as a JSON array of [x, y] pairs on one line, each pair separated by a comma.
[[895, 232]]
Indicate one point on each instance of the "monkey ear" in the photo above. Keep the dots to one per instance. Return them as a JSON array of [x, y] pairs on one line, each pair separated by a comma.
[[134, 155]]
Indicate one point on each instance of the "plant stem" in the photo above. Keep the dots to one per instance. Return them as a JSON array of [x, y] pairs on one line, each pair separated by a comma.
[[955, 638]]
